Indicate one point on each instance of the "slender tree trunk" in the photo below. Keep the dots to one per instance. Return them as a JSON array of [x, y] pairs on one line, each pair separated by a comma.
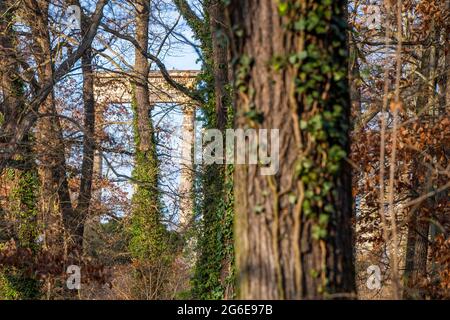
[[148, 243], [146, 209], [218, 27], [293, 229], [141, 68], [87, 166], [447, 59], [222, 73], [354, 83], [55, 194]]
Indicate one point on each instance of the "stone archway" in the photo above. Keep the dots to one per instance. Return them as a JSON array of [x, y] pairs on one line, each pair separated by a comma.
[[113, 87]]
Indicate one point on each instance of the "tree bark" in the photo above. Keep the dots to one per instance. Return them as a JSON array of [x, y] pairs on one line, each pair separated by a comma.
[[293, 229]]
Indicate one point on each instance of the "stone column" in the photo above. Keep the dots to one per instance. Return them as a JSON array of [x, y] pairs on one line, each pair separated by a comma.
[[186, 206]]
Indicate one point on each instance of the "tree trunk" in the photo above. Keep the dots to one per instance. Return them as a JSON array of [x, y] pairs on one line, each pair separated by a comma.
[[148, 244], [141, 85], [87, 166], [417, 245], [55, 195], [12, 88], [146, 207], [418, 220], [11, 84], [218, 26], [213, 276], [447, 60], [293, 229]]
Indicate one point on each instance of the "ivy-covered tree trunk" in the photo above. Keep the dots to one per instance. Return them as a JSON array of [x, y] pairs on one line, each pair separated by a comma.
[[22, 182], [293, 229], [219, 41], [16, 282], [214, 271], [148, 243]]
